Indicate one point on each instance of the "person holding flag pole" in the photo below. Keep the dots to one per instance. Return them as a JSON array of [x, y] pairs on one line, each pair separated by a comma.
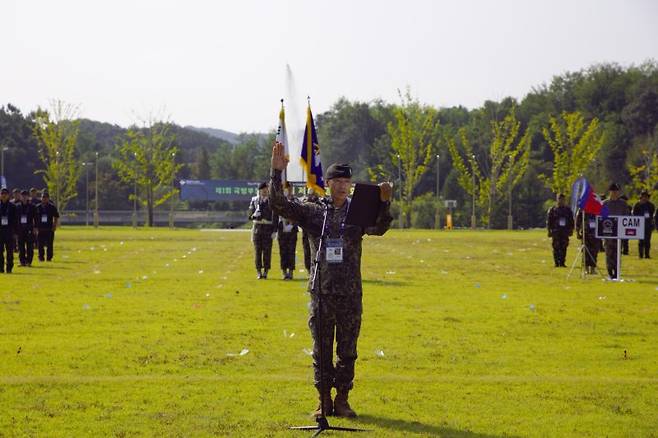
[[335, 281], [286, 230]]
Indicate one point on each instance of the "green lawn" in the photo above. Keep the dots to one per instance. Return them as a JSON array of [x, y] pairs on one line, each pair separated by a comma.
[[465, 334]]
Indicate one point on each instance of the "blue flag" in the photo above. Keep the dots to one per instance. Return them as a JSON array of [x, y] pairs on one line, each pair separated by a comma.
[[310, 156]]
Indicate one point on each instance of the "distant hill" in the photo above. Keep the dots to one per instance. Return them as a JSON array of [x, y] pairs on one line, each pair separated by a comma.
[[218, 133]]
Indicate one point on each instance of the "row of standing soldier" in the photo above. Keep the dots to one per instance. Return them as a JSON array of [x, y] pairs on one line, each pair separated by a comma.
[[560, 224], [266, 225], [23, 218]]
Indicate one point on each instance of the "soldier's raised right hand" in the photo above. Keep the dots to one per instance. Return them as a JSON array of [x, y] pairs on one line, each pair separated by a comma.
[[279, 159]]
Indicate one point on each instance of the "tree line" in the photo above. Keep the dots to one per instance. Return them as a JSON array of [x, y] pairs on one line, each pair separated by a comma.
[[502, 161]]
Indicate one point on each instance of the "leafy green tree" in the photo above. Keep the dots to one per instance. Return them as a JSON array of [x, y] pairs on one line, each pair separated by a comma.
[[494, 176], [645, 175], [414, 136], [203, 164], [349, 133], [147, 158], [575, 145], [57, 133]]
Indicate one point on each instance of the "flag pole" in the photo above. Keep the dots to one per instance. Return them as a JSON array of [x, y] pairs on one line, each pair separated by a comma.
[[282, 115]]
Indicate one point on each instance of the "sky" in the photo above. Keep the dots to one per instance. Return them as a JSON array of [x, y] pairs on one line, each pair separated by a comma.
[[227, 64]]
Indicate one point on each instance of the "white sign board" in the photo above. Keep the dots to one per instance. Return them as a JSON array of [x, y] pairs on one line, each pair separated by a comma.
[[620, 227]]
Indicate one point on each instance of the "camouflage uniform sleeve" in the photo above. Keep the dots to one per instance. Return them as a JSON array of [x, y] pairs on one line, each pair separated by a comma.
[[282, 206], [383, 222]]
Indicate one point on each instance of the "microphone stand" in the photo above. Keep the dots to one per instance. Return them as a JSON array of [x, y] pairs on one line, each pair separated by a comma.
[[323, 424]]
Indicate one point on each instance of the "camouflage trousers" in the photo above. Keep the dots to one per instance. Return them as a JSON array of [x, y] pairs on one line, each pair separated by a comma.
[[560, 244], [610, 246], [340, 314], [287, 247], [644, 245], [263, 249]]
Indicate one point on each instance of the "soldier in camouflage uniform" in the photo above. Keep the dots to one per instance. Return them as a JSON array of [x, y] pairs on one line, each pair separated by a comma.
[[308, 257], [591, 243], [629, 212], [339, 277], [263, 230], [616, 207], [560, 226], [287, 236]]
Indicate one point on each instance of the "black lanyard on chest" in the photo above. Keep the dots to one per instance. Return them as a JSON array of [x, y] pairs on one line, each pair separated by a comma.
[[341, 227]]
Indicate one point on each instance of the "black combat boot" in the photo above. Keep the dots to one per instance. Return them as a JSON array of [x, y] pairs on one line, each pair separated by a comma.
[[328, 404], [341, 405]]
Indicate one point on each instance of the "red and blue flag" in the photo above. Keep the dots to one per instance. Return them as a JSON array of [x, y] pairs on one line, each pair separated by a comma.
[[585, 198]]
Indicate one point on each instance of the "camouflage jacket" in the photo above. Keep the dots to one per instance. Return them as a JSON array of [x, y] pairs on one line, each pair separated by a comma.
[[334, 278]]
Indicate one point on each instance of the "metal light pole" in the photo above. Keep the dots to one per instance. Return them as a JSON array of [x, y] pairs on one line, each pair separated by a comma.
[[509, 209], [135, 197], [96, 217], [400, 190], [171, 212], [58, 179], [86, 165], [438, 197], [473, 172]]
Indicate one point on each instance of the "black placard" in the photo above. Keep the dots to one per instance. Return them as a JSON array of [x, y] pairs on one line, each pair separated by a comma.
[[607, 227], [364, 206]]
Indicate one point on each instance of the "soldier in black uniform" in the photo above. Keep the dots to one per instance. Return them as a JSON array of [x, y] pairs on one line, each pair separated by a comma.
[[287, 236], [26, 214], [559, 223], [616, 207], [591, 243], [339, 277], [647, 210], [7, 231], [34, 197], [264, 227], [15, 199], [15, 196], [308, 257], [47, 221]]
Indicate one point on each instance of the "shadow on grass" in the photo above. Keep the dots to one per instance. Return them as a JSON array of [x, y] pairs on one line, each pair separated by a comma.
[[416, 427], [49, 267], [386, 282]]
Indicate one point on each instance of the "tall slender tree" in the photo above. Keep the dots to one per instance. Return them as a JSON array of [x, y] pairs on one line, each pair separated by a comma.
[[645, 174], [575, 145], [57, 132], [494, 176], [414, 134], [147, 158]]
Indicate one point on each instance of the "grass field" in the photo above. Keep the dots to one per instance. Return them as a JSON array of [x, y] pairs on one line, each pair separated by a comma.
[[465, 334]]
